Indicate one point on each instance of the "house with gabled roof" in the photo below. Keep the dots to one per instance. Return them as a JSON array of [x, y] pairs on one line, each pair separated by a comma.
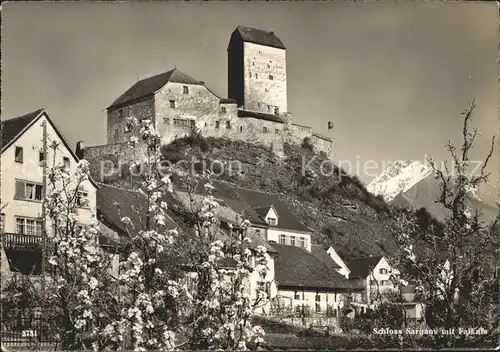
[[309, 279], [23, 188], [375, 275], [283, 225]]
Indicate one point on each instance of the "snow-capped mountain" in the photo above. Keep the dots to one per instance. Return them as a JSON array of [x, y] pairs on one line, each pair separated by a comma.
[[412, 184], [399, 177]]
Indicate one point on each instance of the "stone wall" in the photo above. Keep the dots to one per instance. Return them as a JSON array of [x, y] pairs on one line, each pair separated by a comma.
[[250, 130], [265, 81], [322, 144], [143, 109], [296, 133], [177, 112], [111, 161]]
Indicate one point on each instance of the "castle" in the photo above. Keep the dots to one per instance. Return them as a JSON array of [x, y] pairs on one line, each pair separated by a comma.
[[256, 109]]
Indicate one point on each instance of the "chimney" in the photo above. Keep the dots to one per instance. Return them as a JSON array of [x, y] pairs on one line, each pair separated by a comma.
[[272, 33], [80, 146], [202, 82]]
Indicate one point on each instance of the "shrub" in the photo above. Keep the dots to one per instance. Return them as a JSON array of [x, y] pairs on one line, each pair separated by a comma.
[[308, 144]]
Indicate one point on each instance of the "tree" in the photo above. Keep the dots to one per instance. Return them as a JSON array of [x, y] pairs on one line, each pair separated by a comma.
[[177, 288], [454, 263]]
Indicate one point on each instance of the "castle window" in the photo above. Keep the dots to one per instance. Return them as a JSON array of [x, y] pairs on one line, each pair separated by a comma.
[[172, 104], [217, 124], [269, 108], [228, 124], [256, 76], [185, 90], [116, 134], [264, 129], [277, 131], [271, 77], [183, 122], [268, 66], [253, 63], [276, 110], [166, 121], [223, 110], [241, 129], [258, 105]]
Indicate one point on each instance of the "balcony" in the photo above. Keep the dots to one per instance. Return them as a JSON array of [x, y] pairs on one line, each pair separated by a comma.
[[15, 241]]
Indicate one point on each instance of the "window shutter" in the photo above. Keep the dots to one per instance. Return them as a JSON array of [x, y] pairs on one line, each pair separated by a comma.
[[20, 191]]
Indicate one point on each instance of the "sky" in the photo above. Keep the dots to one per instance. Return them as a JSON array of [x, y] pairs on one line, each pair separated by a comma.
[[393, 77]]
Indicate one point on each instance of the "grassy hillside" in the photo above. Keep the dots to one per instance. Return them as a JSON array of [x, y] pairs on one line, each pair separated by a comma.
[[338, 208]]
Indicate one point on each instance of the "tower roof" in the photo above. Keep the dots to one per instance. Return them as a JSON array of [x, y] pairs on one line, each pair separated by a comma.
[[150, 85], [259, 36]]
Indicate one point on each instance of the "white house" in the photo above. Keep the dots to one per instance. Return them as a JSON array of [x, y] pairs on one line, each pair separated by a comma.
[[375, 275], [229, 212], [22, 187], [307, 279], [282, 226]]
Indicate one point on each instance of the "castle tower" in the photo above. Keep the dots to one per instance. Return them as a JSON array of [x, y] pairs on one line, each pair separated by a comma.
[[257, 71]]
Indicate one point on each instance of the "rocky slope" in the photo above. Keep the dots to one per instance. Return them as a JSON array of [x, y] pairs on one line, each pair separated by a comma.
[[339, 209], [335, 205]]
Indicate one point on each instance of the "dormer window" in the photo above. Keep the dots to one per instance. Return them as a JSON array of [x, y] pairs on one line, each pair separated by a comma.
[[272, 221], [120, 113], [185, 90], [223, 110]]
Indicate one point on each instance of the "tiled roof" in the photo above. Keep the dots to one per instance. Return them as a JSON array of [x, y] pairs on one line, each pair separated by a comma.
[[286, 219], [260, 116], [259, 36], [227, 195], [227, 213], [319, 252], [296, 267], [361, 267], [149, 86], [12, 128], [115, 203]]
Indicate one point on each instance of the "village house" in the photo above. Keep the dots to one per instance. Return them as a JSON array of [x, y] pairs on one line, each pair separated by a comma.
[[375, 276], [282, 225], [23, 188], [255, 111], [306, 282], [229, 213], [114, 203]]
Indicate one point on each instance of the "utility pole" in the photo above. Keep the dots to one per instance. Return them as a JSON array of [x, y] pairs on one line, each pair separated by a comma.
[[44, 215]]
